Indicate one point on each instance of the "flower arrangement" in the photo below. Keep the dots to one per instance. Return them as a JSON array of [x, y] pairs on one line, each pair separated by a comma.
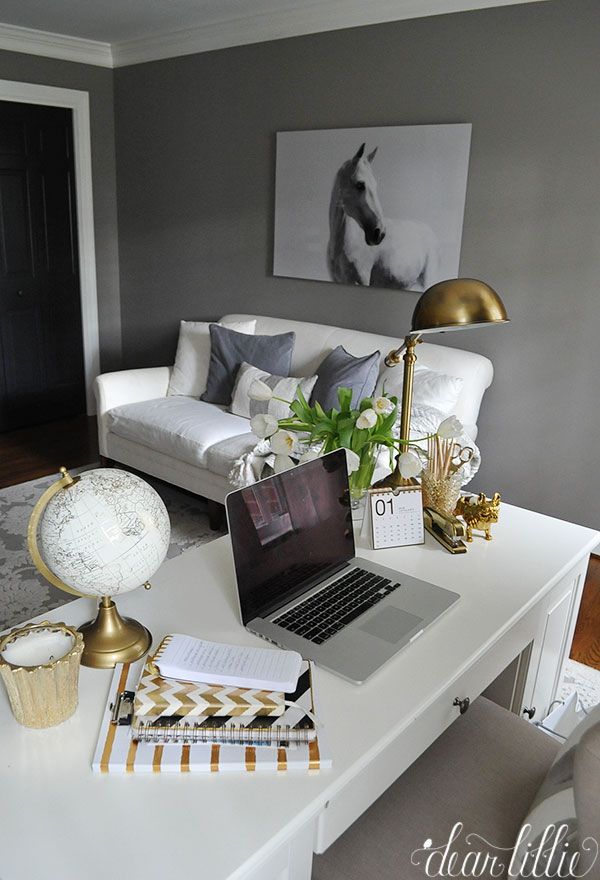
[[310, 432]]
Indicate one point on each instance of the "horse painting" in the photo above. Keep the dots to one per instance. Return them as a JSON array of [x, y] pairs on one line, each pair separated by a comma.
[[369, 249]]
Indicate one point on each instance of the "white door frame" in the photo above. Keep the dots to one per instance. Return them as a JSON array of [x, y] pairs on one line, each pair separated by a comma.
[[78, 102]]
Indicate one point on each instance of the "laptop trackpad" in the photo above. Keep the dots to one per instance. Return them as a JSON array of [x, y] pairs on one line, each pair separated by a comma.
[[391, 624]]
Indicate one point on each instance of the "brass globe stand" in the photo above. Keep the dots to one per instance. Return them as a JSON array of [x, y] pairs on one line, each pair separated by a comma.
[[110, 638]]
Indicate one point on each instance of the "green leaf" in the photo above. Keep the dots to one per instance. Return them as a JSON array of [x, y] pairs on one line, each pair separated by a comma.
[[366, 403], [345, 398]]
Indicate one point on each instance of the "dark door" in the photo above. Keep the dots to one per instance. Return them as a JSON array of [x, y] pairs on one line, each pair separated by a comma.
[[41, 345]]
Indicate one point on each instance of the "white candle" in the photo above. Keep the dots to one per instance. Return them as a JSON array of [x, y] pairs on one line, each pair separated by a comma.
[[38, 648]]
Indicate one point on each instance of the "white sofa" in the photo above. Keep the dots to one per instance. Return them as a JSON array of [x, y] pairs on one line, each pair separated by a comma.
[[192, 444]]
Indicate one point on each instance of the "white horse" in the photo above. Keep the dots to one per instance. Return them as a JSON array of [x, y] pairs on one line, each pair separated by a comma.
[[365, 247]]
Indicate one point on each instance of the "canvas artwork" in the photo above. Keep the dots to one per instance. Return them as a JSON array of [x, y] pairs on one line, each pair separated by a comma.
[[376, 207]]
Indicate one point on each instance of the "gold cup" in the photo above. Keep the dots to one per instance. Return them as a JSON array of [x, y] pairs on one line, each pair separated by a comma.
[[39, 664]]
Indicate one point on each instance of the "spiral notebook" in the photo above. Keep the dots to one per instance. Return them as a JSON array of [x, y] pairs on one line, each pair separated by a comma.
[[117, 752], [255, 727]]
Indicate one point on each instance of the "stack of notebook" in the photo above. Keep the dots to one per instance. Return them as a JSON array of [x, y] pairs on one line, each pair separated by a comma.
[[153, 723]]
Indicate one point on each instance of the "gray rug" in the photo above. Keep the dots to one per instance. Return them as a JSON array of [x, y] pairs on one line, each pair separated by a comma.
[[584, 680], [24, 593]]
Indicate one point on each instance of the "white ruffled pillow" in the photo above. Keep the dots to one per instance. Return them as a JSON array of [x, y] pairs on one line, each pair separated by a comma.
[[430, 388], [190, 371]]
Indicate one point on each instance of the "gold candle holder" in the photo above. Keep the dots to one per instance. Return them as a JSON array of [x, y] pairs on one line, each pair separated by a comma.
[[39, 664]]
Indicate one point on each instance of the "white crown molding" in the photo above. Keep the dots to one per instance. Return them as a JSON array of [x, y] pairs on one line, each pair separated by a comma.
[[32, 42], [293, 21], [317, 17]]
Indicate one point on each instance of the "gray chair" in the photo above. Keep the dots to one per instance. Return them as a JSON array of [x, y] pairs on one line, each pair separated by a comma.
[[485, 771]]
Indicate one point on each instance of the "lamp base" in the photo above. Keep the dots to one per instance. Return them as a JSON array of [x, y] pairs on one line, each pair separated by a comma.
[[395, 480], [112, 639]]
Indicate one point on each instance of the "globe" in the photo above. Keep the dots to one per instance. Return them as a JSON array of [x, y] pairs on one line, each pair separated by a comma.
[[100, 534], [105, 534]]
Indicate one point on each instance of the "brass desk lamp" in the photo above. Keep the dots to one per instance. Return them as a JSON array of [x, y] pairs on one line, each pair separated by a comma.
[[455, 304]]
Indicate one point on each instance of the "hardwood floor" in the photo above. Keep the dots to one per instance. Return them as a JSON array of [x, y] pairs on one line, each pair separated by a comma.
[[586, 641], [29, 453]]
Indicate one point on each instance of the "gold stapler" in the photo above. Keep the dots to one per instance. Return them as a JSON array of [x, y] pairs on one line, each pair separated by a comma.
[[446, 529]]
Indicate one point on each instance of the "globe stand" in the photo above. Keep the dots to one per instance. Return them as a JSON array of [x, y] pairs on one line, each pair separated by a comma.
[[112, 639]]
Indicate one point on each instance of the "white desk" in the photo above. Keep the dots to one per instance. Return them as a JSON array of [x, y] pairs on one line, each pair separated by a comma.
[[58, 820]]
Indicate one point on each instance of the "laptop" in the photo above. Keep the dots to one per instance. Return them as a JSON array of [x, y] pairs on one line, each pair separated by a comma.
[[300, 584]]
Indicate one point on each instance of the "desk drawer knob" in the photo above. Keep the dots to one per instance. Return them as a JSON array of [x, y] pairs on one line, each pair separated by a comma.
[[530, 712], [463, 705]]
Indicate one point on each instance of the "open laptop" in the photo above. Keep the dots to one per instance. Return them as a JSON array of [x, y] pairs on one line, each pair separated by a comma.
[[300, 584]]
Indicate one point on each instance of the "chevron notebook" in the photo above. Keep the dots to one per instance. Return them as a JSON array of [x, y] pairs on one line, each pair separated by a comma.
[[117, 752], [293, 725], [156, 696]]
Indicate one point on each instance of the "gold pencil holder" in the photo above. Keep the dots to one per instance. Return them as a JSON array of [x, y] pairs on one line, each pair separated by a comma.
[[39, 664], [441, 493]]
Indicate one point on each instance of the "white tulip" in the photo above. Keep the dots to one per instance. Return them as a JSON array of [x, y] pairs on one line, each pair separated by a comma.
[[450, 428], [352, 461], [282, 463], [282, 442], [367, 419], [409, 465], [383, 406], [309, 455], [259, 390], [264, 425]]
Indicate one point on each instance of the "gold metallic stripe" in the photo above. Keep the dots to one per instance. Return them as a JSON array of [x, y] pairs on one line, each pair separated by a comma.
[[250, 759], [314, 758], [281, 759], [158, 750], [112, 728], [131, 756], [185, 759], [214, 758]]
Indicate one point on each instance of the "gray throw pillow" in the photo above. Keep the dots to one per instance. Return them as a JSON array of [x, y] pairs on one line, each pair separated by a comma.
[[342, 370], [228, 350]]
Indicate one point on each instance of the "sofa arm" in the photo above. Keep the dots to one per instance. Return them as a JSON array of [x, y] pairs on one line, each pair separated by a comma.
[[127, 386]]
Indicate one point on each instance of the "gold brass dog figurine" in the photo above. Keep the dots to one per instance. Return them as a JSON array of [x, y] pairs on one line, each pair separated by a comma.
[[479, 513]]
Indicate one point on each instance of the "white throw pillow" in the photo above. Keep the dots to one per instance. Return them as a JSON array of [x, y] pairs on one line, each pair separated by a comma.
[[190, 371], [282, 386], [430, 388]]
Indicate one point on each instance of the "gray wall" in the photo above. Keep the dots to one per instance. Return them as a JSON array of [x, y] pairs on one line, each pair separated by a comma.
[[99, 83], [196, 152]]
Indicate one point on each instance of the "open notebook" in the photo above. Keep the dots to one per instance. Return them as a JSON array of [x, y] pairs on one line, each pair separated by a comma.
[[117, 752]]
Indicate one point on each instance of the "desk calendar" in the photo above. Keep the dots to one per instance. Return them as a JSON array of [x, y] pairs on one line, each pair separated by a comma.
[[396, 517]]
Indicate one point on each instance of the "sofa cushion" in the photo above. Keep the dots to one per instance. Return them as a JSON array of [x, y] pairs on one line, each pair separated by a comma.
[[220, 457], [430, 388], [340, 369], [228, 350], [284, 389], [181, 427], [190, 370]]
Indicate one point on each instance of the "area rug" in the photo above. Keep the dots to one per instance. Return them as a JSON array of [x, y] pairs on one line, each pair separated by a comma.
[[24, 593], [583, 679]]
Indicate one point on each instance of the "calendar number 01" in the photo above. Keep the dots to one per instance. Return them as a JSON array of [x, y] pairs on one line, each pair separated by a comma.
[[380, 506]]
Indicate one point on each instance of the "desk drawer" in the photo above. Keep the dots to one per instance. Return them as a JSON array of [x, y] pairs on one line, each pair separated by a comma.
[[403, 749]]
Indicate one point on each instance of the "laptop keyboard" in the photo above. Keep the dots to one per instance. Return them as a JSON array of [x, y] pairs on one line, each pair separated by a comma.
[[325, 613]]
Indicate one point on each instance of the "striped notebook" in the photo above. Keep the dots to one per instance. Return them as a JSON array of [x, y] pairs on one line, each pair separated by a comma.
[[117, 752]]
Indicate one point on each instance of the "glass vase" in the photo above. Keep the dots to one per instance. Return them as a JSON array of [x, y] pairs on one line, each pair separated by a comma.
[[361, 479], [441, 493]]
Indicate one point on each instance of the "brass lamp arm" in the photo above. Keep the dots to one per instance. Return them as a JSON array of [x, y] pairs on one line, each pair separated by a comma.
[[393, 358]]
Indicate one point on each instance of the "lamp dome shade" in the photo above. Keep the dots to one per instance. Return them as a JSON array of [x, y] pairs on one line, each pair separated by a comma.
[[458, 303]]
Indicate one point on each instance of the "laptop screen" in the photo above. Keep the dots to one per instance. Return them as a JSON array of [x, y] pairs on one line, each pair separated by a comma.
[[290, 531]]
